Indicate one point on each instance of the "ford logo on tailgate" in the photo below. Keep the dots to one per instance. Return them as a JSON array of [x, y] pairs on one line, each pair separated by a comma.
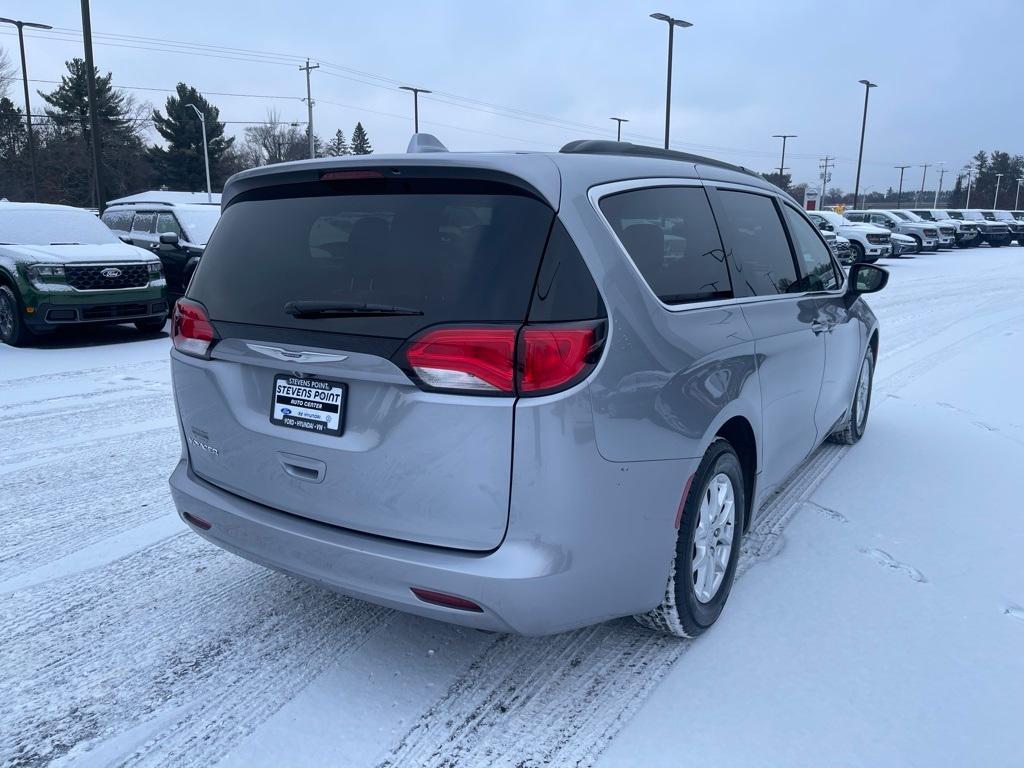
[[111, 272]]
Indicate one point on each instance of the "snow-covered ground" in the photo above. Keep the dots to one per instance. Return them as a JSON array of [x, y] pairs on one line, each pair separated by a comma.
[[878, 620]]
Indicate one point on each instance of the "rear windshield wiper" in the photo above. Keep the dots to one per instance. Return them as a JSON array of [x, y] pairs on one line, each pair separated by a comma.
[[309, 309]]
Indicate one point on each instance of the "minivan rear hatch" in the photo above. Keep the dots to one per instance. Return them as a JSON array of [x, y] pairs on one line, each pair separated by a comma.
[[314, 290]]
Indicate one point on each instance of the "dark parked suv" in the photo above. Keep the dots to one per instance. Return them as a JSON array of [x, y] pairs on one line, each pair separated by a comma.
[[522, 392]]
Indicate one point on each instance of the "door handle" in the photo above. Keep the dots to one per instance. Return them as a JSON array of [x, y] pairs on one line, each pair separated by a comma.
[[302, 468]]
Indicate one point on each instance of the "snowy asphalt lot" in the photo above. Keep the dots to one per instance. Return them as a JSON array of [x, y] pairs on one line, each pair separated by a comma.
[[879, 618]]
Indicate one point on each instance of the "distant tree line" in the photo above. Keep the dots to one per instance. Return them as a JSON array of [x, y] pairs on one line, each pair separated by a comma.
[[984, 171], [130, 162]]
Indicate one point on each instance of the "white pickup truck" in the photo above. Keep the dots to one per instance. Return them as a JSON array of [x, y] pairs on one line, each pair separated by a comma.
[[869, 243]]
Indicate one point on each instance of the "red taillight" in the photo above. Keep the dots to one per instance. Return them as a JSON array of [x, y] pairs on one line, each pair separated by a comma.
[[480, 359], [448, 601], [486, 360], [553, 357], [191, 330]]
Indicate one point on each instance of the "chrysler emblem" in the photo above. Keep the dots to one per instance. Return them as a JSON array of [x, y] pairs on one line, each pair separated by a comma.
[[111, 272]]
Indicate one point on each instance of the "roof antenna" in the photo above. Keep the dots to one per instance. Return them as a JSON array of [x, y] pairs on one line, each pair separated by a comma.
[[425, 142]]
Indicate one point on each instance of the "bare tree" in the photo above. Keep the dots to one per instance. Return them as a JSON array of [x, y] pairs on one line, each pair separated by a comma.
[[7, 73], [273, 141]]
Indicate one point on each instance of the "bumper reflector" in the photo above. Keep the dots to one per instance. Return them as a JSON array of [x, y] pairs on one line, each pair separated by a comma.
[[448, 601], [198, 522]]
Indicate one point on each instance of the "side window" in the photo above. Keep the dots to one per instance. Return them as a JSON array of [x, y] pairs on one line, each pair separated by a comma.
[[165, 222], [816, 270], [671, 235], [855, 216], [119, 221], [759, 249], [565, 288], [882, 221], [144, 223]]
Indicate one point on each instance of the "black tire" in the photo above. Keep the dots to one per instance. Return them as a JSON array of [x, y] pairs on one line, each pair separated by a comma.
[[681, 612], [13, 330], [856, 421], [151, 324], [858, 252]]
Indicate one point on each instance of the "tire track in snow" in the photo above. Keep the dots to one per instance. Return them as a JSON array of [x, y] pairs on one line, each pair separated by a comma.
[[183, 635], [560, 700], [81, 497]]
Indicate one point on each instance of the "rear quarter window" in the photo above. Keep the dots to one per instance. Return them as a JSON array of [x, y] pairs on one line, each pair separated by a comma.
[[760, 255], [671, 236]]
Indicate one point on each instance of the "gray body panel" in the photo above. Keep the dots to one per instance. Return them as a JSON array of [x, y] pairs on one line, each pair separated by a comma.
[[568, 500]]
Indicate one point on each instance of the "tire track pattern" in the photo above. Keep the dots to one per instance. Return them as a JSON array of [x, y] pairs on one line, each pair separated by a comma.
[[180, 625]]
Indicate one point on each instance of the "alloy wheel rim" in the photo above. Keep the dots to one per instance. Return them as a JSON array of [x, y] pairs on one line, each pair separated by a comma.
[[713, 537], [6, 317], [863, 390]]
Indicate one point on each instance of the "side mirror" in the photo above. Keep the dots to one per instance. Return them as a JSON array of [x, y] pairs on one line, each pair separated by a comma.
[[866, 278], [125, 239], [169, 238], [824, 226]]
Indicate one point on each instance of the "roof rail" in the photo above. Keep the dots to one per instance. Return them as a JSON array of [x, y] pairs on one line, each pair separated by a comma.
[[157, 202], [601, 147]]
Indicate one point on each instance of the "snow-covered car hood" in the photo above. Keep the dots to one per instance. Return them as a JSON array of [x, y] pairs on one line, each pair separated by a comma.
[[79, 254], [869, 229]]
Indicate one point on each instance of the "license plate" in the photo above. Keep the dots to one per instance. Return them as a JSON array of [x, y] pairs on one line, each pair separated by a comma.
[[309, 404]]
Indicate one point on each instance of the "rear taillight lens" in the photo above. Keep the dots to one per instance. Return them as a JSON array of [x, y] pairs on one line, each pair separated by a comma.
[[191, 330], [472, 359], [504, 360], [553, 357]]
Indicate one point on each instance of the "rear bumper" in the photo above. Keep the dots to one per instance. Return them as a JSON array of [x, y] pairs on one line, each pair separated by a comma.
[[528, 585]]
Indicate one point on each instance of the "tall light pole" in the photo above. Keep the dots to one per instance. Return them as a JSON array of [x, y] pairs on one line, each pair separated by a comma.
[[672, 24], [94, 121], [309, 105], [206, 151], [618, 126], [924, 173], [899, 195], [938, 191], [1016, 202], [995, 199], [28, 107], [782, 163], [868, 85], [415, 104], [970, 180]]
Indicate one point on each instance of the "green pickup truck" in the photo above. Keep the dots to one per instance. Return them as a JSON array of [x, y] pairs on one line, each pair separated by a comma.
[[62, 266]]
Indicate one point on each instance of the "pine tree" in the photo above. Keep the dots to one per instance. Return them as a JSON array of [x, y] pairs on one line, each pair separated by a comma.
[[181, 164], [360, 141], [337, 146]]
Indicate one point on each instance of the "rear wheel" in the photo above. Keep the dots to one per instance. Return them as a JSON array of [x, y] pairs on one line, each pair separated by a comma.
[[857, 419], [13, 330], [707, 547]]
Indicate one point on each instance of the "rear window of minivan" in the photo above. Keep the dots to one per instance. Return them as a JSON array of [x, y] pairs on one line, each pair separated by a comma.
[[456, 251]]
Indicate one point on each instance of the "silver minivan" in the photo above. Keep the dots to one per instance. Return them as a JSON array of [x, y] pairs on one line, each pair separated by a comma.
[[523, 392]]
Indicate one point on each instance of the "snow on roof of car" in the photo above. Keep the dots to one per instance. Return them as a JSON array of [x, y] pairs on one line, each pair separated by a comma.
[[169, 198]]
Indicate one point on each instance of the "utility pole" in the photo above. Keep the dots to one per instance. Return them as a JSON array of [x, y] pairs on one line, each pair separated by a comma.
[[94, 123], [942, 174], [618, 126], [825, 163], [1016, 202], [970, 179], [672, 24], [782, 163], [28, 107], [899, 195], [206, 152], [309, 104], [415, 104], [924, 173], [995, 199], [868, 85]]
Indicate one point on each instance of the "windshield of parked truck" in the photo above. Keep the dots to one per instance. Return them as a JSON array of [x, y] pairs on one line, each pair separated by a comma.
[[52, 226]]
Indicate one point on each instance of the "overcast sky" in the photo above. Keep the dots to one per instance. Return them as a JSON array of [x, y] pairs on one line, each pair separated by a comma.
[[948, 71]]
